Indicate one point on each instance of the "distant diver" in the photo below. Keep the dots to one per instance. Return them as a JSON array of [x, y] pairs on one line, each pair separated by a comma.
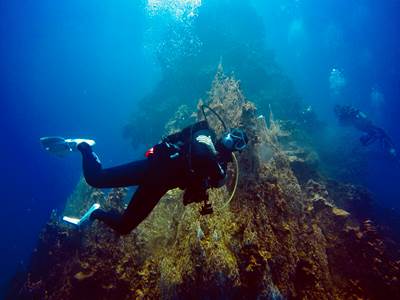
[[350, 116], [192, 159]]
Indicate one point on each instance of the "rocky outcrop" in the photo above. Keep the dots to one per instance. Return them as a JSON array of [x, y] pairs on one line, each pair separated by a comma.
[[276, 239]]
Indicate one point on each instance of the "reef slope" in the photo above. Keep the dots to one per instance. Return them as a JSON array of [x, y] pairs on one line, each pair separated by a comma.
[[284, 235]]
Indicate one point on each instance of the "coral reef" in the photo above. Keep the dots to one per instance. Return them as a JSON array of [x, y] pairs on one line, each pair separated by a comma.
[[187, 57], [281, 237]]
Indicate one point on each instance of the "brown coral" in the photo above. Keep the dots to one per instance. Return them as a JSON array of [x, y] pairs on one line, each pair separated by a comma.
[[276, 239]]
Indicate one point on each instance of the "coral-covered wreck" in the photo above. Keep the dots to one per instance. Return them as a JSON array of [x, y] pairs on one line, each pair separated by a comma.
[[284, 235]]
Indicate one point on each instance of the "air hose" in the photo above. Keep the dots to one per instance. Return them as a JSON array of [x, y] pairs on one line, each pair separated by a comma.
[[235, 162]]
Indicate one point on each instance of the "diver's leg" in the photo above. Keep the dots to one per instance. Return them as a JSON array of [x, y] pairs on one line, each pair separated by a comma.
[[367, 139], [133, 173], [143, 201], [372, 140]]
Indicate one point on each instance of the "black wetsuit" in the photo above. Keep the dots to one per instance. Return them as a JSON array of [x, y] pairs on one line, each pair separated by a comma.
[[193, 165]]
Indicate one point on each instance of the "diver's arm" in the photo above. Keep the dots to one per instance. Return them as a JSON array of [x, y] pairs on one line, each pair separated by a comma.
[[387, 143], [367, 139], [219, 176], [210, 159]]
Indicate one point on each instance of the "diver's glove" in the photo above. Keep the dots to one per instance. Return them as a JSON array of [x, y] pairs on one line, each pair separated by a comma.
[[194, 195], [393, 152]]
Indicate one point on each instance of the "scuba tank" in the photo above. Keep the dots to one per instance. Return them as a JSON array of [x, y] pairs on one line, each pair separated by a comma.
[[184, 136]]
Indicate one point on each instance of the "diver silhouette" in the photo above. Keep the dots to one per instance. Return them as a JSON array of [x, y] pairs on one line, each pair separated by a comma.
[[192, 159], [350, 116]]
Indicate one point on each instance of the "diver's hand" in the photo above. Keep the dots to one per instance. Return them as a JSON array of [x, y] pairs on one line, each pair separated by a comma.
[[192, 195], [393, 152]]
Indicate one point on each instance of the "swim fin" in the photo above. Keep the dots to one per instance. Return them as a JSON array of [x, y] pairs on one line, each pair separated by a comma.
[[61, 146], [84, 218]]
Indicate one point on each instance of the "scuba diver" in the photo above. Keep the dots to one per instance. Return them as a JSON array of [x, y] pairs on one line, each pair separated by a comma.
[[193, 160], [350, 116]]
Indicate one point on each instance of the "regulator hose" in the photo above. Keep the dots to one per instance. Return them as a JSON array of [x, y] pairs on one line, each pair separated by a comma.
[[215, 113], [236, 164]]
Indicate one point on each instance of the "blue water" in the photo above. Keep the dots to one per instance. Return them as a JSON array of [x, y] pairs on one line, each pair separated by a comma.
[[77, 68], [68, 69]]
